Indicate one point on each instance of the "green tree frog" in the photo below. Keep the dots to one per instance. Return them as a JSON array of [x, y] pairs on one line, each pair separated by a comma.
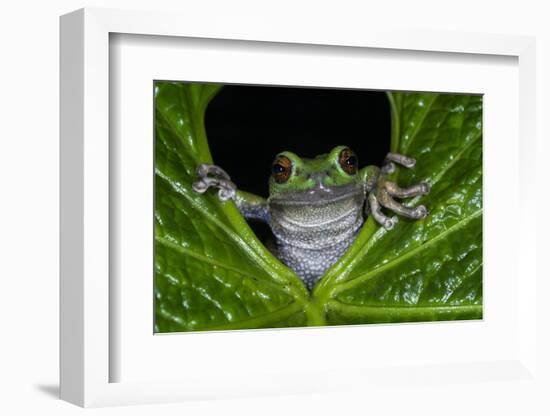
[[316, 206]]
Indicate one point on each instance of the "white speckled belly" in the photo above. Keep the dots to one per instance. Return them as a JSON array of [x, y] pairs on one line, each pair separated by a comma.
[[312, 237]]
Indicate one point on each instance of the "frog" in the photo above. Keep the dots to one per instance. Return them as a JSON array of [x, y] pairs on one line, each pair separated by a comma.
[[316, 206]]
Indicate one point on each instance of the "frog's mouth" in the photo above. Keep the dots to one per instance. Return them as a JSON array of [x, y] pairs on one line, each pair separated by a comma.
[[319, 195]]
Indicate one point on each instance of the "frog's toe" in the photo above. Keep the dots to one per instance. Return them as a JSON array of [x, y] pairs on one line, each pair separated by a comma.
[[403, 160], [425, 188], [204, 170], [408, 162], [388, 168], [226, 189], [226, 193], [420, 212], [389, 223], [212, 176], [200, 186]]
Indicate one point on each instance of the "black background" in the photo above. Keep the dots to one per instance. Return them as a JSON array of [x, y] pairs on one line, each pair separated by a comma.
[[247, 126]]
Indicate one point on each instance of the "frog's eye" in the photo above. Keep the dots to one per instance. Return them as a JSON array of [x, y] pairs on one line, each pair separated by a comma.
[[348, 161], [281, 169]]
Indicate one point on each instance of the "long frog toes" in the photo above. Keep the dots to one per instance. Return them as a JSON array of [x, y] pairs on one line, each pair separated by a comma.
[[212, 176], [385, 192]]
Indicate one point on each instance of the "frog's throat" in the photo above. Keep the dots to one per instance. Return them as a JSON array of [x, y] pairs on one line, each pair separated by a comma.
[[319, 195], [297, 224], [318, 224]]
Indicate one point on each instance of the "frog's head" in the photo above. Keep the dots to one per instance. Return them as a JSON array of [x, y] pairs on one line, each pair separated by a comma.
[[325, 178]]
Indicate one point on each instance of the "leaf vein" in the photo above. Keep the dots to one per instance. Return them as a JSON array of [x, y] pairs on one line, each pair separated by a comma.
[[404, 256], [191, 253], [362, 310]]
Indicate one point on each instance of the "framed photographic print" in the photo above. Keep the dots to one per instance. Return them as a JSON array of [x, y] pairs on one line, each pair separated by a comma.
[[266, 213]]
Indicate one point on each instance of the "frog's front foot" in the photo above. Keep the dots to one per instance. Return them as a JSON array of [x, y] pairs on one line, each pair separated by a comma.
[[215, 177], [386, 191]]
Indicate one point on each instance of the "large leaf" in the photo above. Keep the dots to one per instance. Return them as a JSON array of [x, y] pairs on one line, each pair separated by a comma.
[[429, 269], [211, 272]]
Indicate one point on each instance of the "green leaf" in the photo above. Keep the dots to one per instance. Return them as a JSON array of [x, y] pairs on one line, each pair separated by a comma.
[[211, 272], [429, 269]]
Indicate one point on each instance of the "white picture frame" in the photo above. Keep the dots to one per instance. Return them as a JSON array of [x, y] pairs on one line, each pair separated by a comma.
[[87, 303]]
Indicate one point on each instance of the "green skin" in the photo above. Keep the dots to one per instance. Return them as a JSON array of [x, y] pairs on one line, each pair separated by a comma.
[[316, 213]]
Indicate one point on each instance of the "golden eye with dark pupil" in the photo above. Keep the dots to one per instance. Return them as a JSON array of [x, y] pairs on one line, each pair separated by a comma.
[[281, 169], [348, 161]]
